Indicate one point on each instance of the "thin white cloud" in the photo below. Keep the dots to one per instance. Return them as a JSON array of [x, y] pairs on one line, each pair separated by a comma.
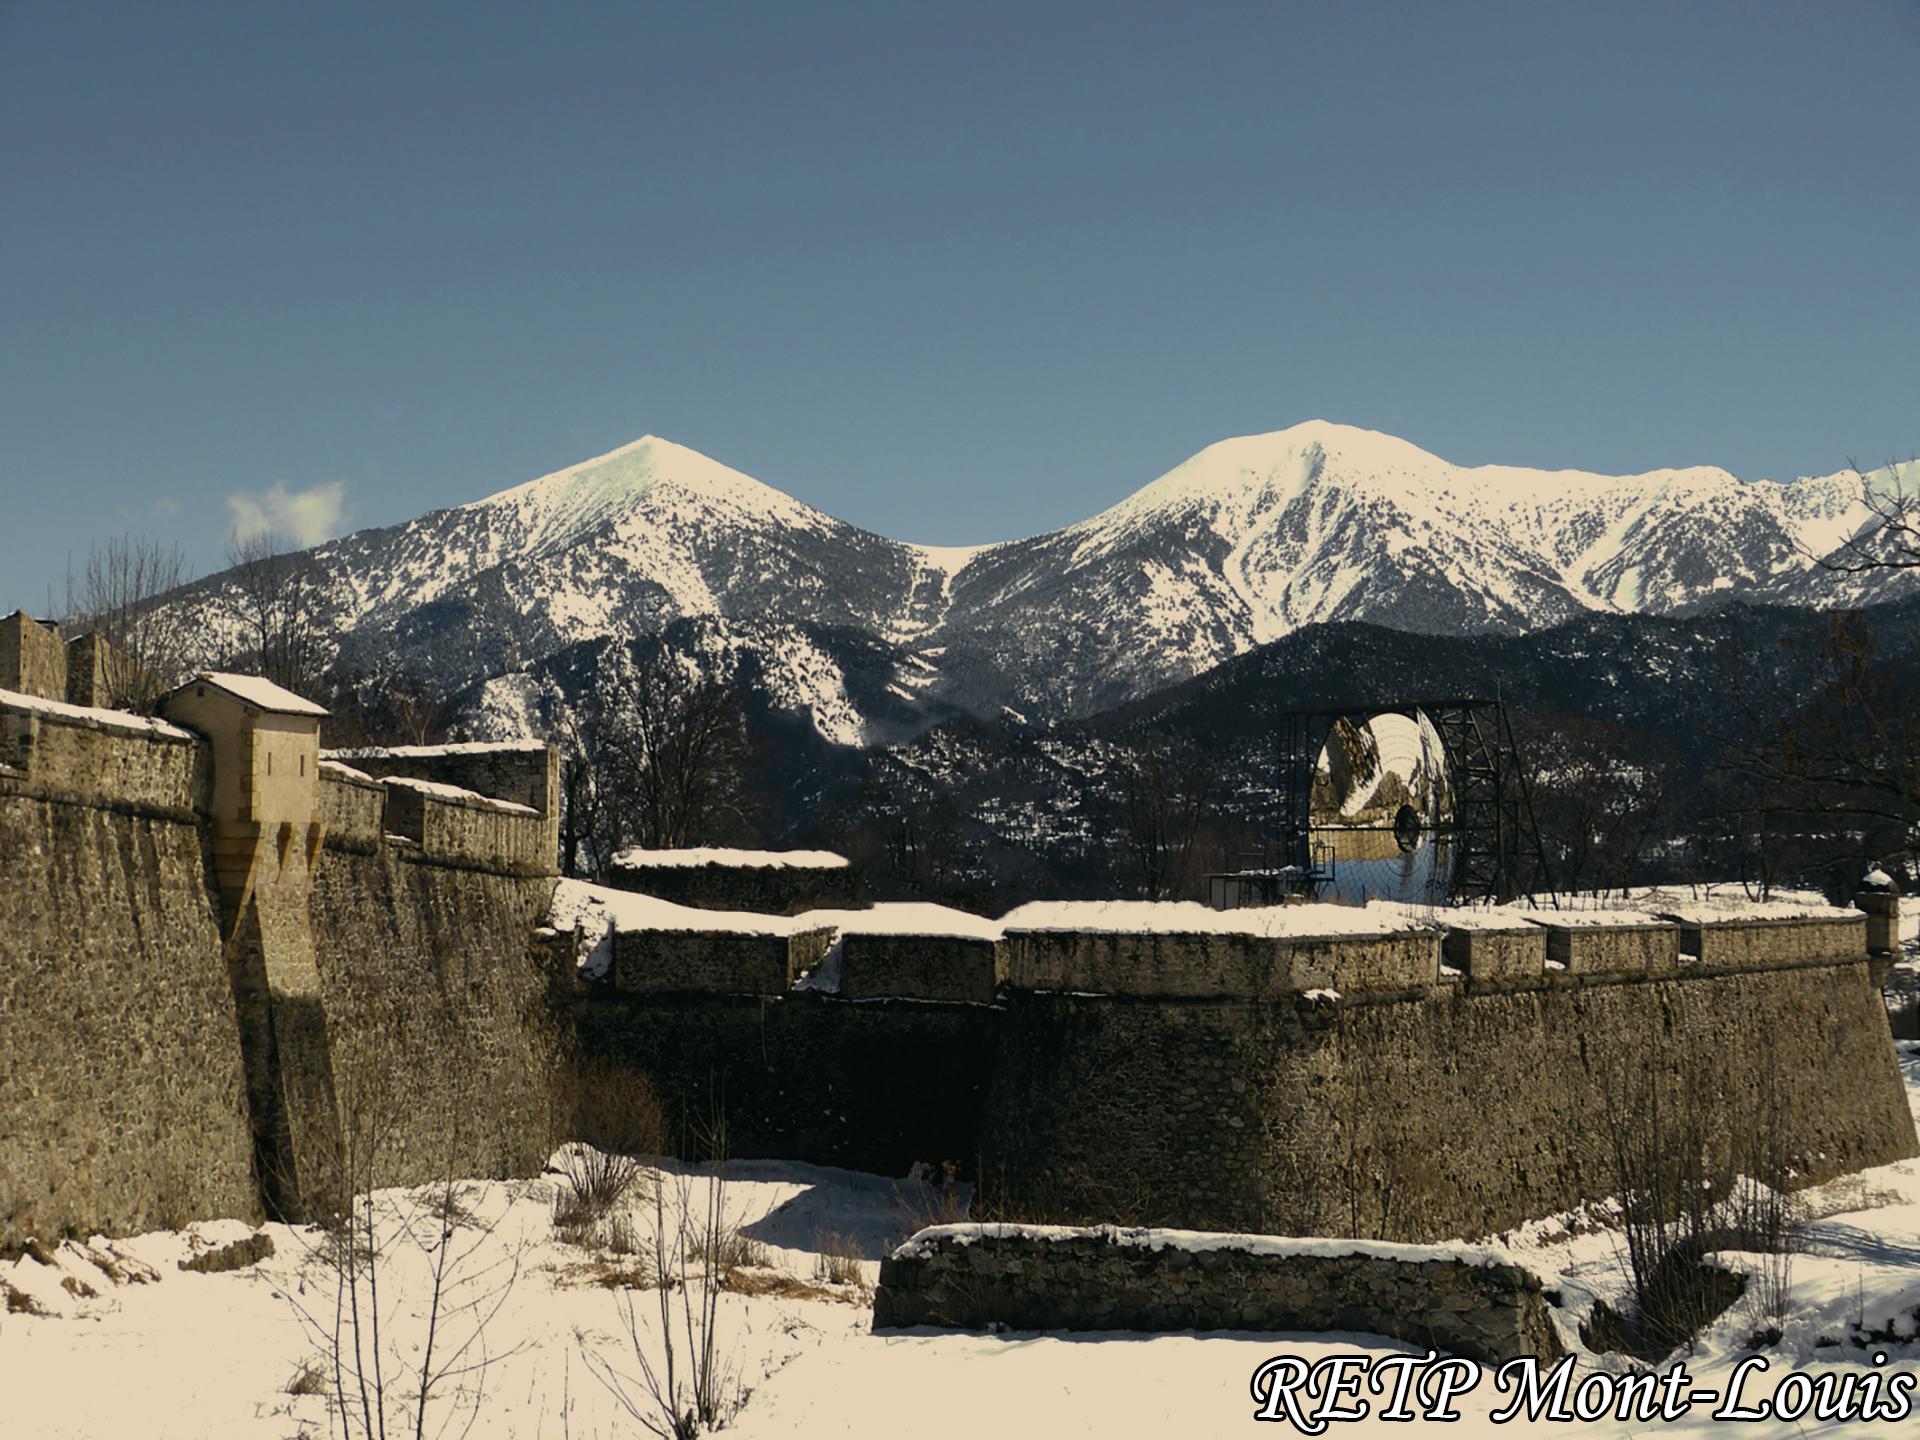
[[303, 517]]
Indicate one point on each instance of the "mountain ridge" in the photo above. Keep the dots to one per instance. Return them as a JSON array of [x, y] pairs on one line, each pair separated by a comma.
[[1246, 541]]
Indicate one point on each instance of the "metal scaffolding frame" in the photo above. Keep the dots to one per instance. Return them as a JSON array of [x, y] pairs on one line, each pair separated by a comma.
[[1496, 842]]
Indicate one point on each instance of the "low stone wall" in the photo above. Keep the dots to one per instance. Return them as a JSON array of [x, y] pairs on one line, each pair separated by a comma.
[[519, 772], [762, 889], [714, 962], [352, 811], [1219, 965], [922, 967], [1498, 959], [977, 1277]]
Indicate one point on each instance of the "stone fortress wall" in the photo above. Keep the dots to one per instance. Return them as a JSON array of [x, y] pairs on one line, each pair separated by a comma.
[[170, 1050], [1399, 1080], [182, 1038]]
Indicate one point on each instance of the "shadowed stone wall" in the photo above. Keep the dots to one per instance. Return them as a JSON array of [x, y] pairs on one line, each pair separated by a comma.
[[761, 889], [1459, 1114], [874, 1085], [446, 1012]]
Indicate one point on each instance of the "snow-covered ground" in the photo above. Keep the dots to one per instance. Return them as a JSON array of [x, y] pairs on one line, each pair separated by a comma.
[[131, 1346]]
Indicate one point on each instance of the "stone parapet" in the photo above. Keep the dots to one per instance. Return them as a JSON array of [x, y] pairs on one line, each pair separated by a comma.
[[920, 967], [102, 756], [1216, 966], [352, 809], [767, 889], [1773, 943], [1625, 951], [468, 829], [714, 961], [1498, 959], [33, 661], [520, 772]]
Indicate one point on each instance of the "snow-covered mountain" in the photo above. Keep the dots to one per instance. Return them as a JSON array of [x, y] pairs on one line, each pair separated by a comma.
[[1247, 541]]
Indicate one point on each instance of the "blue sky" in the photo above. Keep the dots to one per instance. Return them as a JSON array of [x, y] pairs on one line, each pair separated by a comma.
[[953, 272]]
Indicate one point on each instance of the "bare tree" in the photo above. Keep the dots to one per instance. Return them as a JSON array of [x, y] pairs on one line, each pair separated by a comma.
[[273, 602], [656, 757], [119, 596], [410, 1282], [1837, 781], [1891, 539], [1165, 795]]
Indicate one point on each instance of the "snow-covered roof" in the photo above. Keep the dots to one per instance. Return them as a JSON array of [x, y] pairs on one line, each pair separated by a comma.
[[904, 918], [259, 692], [454, 792], [1187, 917], [576, 902], [429, 752], [346, 772], [638, 859], [1197, 1241], [93, 716]]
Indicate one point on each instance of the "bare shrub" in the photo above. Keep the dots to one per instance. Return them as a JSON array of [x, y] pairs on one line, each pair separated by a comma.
[[389, 1369], [733, 1249], [1686, 1192], [309, 1379], [618, 1119], [1668, 1180], [687, 1382], [594, 1184], [935, 1196], [1766, 1219], [837, 1261]]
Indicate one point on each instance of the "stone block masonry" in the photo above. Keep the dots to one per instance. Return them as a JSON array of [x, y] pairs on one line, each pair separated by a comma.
[[122, 1096], [920, 967], [1461, 1113], [715, 961], [459, 826], [213, 996], [1622, 950], [870, 1084], [976, 1277], [1211, 966]]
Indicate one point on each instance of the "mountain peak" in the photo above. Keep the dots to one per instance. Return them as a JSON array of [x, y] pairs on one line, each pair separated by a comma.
[[565, 504]]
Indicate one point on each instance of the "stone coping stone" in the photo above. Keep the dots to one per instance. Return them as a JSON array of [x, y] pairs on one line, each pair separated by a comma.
[[1631, 949], [1220, 966], [1758, 943]]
